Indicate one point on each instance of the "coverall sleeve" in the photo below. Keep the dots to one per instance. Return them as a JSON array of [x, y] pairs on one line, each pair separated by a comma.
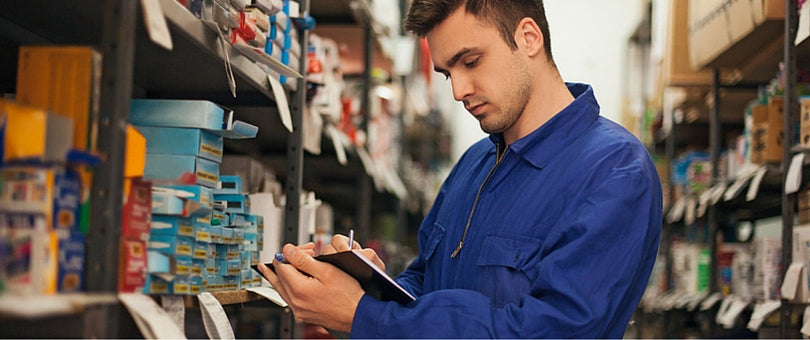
[[597, 257]]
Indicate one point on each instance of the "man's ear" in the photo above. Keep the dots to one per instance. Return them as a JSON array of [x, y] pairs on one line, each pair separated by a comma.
[[529, 37]]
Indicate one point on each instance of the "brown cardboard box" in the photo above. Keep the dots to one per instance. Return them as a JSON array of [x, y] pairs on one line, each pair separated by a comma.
[[676, 70], [727, 33], [804, 199], [760, 130], [773, 151]]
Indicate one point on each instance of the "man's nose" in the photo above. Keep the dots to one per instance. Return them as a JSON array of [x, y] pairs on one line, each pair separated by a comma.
[[462, 87]]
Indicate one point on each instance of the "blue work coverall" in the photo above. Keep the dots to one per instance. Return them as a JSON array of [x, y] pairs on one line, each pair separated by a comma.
[[560, 244]]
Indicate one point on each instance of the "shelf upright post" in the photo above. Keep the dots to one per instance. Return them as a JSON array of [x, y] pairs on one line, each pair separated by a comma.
[[295, 165], [788, 201], [714, 156], [103, 239], [364, 179]]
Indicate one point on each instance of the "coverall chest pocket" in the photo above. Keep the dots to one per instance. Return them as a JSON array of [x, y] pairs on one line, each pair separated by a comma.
[[505, 267], [433, 241]]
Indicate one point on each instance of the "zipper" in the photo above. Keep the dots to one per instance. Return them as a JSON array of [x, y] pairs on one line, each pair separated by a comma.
[[500, 155]]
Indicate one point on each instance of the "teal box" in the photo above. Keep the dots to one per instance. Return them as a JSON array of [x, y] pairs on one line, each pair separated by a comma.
[[156, 285], [247, 279], [200, 194], [216, 234], [227, 236], [198, 266], [201, 250], [245, 257], [230, 267], [229, 185], [239, 220], [234, 203], [183, 141], [211, 267], [172, 225], [195, 285], [227, 251], [239, 237], [182, 265], [202, 233], [171, 244], [251, 241], [220, 218], [181, 285], [199, 114], [157, 262], [232, 282], [171, 167]]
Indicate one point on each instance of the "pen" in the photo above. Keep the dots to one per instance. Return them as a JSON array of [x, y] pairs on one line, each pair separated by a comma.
[[280, 258], [351, 239]]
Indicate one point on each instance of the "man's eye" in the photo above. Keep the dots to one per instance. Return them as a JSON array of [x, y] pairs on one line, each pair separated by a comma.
[[472, 63]]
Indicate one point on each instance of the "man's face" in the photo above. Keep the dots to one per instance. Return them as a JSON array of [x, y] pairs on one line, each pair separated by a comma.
[[491, 80]]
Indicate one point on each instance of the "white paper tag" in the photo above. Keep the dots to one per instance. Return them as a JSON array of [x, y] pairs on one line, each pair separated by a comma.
[[735, 188], [281, 102], [215, 320], [691, 207], [790, 283], [733, 312], [803, 32], [174, 306], [806, 322], [151, 319], [340, 151], [753, 189], [717, 192], [155, 24], [710, 301], [761, 311], [793, 179], [676, 213], [270, 293]]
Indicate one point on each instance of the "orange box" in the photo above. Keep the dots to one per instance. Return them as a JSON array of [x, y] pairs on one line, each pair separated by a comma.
[[65, 80], [35, 134]]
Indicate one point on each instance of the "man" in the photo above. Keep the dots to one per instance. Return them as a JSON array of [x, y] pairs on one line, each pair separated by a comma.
[[548, 228]]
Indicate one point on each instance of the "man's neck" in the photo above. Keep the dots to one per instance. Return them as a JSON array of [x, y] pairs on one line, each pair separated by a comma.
[[549, 97]]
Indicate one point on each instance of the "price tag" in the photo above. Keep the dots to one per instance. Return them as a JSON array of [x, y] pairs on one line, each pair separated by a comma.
[[151, 319], [710, 301], [340, 151], [676, 213], [282, 104], [155, 24], [270, 293], [753, 189], [174, 306], [717, 192], [691, 209], [761, 311], [735, 188], [215, 320], [794, 175]]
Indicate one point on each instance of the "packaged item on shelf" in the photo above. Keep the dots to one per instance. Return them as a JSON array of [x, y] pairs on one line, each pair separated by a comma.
[[804, 137], [172, 225], [261, 18], [767, 268], [183, 141], [725, 33], [136, 214], [198, 114], [132, 266], [238, 203], [29, 262], [34, 134], [759, 132], [270, 7], [171, 167], [134, 153], [171, 244], [71, 256], [240, 4], [229, 185], [52, 191], [65, 80]]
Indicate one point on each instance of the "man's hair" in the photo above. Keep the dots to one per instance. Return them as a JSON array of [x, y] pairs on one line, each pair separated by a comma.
[[425, 15]]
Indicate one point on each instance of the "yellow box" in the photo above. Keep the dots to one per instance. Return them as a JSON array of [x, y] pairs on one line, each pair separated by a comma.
[[35, 134], [135, 159], [65, 80]]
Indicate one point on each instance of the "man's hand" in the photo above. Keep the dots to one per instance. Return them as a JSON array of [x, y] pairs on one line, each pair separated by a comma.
[[327, 297], [341, 243]]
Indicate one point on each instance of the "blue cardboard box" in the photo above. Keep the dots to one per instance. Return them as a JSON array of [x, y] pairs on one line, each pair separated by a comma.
[[229, 185], [171, 244], [171, 167], [172, 225], [183, 141], [200, 114], [234, 203], [72, 251]]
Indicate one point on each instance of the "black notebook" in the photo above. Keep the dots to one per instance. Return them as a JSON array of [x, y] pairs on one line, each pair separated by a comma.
[[373, 279]]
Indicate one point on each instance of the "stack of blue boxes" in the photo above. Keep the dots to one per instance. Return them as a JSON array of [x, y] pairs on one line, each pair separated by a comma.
[[197, 242]]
